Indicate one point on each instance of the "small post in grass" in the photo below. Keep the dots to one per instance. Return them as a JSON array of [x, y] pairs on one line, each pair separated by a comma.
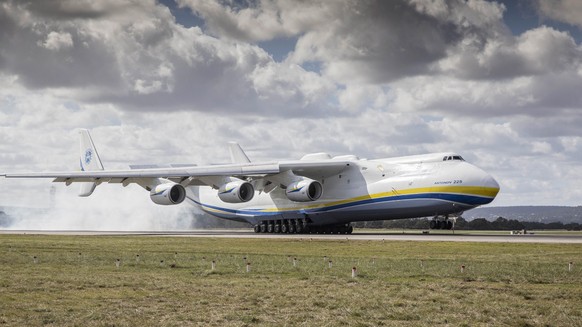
[[137, 258], [570, 265], [462, 268], [117, 263], [35, 259], [330, 264], [294, 262], [422, 264], [324, 258], [354, 272], [213, 265], [161, 263], [248, 267]]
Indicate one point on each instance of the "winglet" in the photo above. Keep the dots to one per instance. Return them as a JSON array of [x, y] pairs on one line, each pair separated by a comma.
[[89, 161], [237, 155]]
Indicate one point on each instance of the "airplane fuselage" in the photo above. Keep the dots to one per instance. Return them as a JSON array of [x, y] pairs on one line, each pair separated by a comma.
[[381, 189]]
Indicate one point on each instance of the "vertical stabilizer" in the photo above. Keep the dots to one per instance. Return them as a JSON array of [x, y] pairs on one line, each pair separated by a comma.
[[237, 155], [89, 161]]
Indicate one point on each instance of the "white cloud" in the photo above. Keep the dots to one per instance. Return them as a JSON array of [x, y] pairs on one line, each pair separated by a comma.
[[567, 11], [55, 41]]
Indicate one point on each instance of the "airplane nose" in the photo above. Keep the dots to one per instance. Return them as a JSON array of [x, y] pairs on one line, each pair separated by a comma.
[[486, 186], [489, 182]]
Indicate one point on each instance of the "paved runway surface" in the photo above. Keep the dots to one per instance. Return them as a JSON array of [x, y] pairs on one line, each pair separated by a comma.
[[459, 236]]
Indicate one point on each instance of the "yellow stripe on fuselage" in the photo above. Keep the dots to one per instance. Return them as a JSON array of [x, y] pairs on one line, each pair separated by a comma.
[[488, 192]]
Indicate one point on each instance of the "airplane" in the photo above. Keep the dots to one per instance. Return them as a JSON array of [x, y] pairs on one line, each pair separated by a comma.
[[315, 194]]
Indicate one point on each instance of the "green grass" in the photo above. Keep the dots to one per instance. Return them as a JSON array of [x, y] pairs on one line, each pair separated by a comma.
[[75, 282]]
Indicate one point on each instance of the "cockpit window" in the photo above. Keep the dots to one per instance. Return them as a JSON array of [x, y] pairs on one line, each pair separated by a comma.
[[447, 158]]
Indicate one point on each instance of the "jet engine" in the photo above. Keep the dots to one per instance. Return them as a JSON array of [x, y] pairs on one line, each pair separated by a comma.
[[236, 191], [304, 190], [168, 194]]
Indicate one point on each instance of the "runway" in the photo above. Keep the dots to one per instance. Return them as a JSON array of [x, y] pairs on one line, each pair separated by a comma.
[[458, 236]]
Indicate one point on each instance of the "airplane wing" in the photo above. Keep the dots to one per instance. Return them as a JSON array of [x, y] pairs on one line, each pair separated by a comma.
[[264, 175], [195, 175]]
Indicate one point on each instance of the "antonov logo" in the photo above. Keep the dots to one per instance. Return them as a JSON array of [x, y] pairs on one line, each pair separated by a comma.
[[88, 156]]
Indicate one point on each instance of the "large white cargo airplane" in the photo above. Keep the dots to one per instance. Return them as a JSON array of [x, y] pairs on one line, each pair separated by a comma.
[[316, 194]]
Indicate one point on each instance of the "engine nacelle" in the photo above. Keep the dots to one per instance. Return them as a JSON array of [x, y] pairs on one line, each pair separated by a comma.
[[304, 190], [236, 192], [168, 194]]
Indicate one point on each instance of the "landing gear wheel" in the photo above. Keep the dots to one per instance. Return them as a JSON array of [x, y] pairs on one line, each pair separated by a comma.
[[284, 228], [270, 228], [433, 224], [277, 228], [449, 225], [350, 229], [257, 228], [263, 228], [292, 228], [299, 229]]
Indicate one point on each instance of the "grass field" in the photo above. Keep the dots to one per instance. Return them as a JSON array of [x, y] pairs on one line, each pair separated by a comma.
[[75, 282]]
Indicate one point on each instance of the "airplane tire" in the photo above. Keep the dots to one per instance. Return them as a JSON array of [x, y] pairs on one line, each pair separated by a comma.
[[299, 229], [263, 228], [291, 228], [433, 224], [284, 228], [277, 228], [257, 228], [270, 228]]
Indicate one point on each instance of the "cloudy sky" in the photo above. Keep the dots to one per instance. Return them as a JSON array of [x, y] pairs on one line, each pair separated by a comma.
[[173, 81]]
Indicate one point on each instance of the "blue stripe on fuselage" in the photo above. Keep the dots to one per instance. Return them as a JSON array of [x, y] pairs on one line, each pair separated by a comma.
[[468, 200]]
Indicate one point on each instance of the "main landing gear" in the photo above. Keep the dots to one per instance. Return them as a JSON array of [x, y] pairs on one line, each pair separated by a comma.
[[441, 223], [300, 226]]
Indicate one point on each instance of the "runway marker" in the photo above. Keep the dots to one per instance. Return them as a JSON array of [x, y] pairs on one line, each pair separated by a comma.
[[213, 265], [137, 258], [248, 267], [294, 262], [161, 263], [35, 259], [354, 272], [462, 268], [570, 265], [325, 258], [330, 264], [117, 263]]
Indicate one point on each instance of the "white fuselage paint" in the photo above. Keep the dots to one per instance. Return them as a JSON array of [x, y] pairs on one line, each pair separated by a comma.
[[392, 188]]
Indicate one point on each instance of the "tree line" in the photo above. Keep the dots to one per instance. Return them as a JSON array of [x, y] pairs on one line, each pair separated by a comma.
[[475, 224]]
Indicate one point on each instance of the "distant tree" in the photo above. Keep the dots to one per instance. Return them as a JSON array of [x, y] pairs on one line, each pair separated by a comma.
[[461, 223], [479, 224]]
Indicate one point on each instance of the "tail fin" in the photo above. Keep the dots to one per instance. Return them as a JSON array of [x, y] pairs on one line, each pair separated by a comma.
[[237, 155], [89, 161]]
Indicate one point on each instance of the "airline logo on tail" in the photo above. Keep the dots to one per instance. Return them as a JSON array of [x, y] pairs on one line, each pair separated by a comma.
[[88, 156]]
